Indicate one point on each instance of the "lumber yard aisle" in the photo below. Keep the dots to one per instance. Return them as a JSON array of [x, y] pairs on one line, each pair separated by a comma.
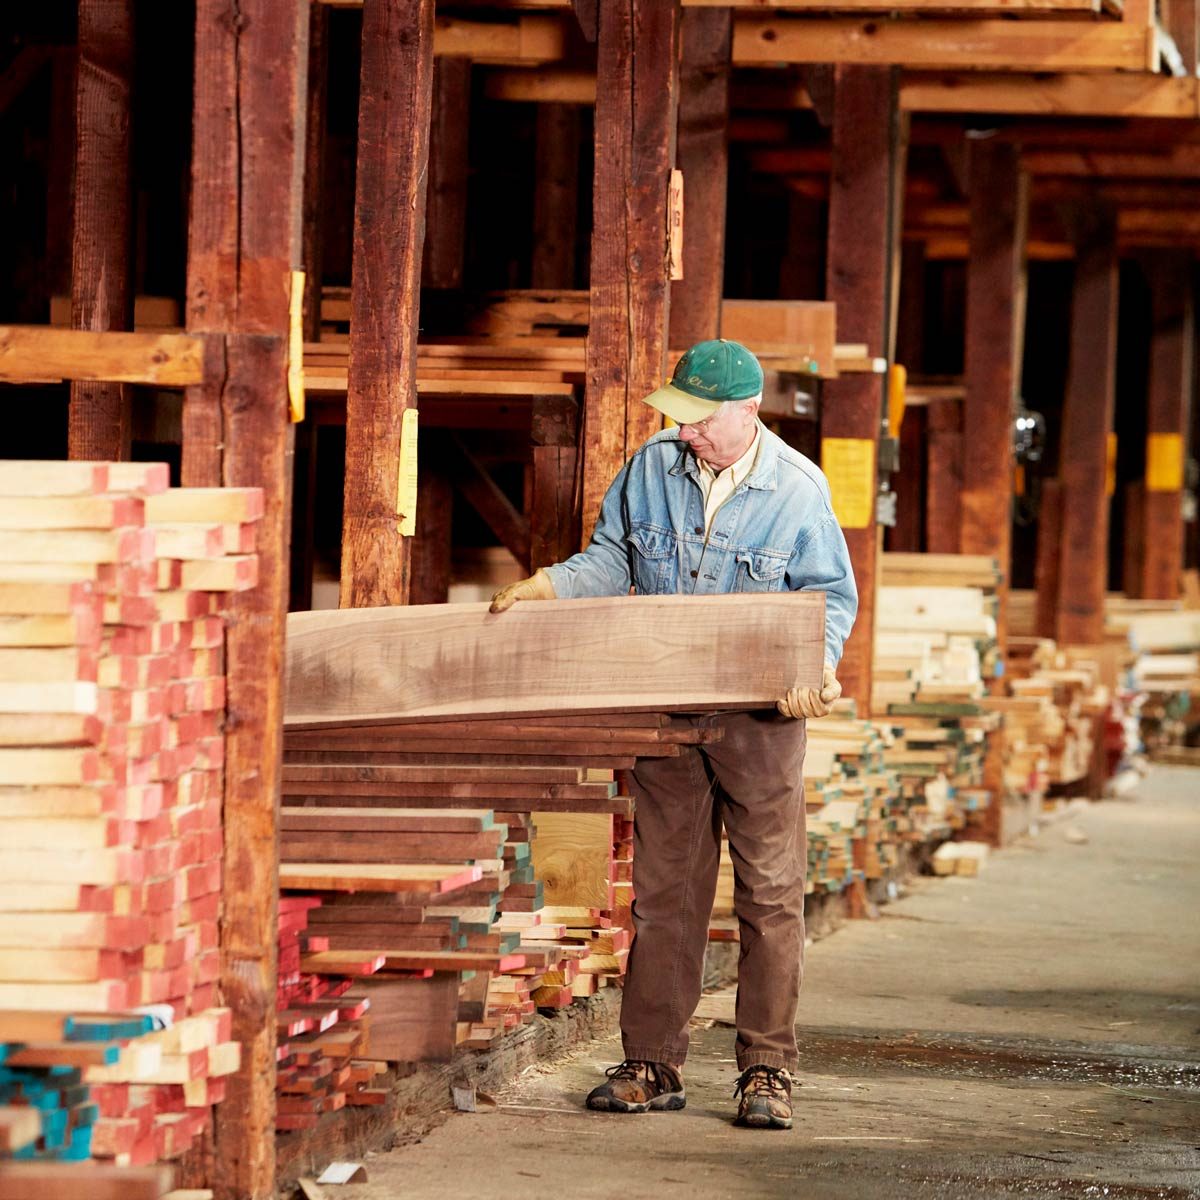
[[1031, 1031]]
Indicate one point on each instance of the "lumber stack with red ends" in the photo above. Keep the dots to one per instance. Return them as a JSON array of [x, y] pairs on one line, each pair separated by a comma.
[[112, 697]]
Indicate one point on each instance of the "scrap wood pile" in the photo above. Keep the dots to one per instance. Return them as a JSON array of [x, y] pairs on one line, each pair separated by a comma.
[[112, 696]]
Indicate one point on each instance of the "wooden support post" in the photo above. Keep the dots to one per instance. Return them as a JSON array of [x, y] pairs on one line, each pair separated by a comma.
[[1049, 553], [553, 513], [389, 229], [314, 169], [864, 198], [999, 202], [100, 417], [446, 200], [637, 85], [556, 196], [1168, 413], [1180, 17], [1087, 422], [704, 161], [435, 517], [943, 477], [244, 241], [909, 484], [60, 173]]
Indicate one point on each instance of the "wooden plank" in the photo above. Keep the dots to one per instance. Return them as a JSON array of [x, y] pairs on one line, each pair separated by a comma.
[[703, 156], [556, 195], [638, 73], [412, 1020], [446, 198], [969, 44], [439, 660], [40, 354], [389, 219], [429, 879], [97, 1181], [1087, 422], [995, 339], [863, 200], [572, 855], [99, 417], [1168, 408], [391, 820]]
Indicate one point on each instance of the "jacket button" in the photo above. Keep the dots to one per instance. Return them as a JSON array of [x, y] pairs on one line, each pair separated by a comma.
[[695, 573], [699, 528]]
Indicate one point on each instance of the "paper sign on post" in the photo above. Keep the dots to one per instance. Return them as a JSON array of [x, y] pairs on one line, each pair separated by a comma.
[[406, 487], [849, 465]]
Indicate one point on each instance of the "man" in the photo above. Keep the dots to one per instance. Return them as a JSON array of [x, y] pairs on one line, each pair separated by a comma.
[[719, 504]]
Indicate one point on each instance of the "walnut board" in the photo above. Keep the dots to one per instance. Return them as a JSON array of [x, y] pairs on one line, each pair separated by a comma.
[[626, 653]]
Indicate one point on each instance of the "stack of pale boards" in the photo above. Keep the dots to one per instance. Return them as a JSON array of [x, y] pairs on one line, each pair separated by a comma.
[[112, 695], [421, 913]]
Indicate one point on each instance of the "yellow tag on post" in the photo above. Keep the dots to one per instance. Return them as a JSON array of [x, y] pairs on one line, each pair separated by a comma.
[[1110, 466], [295, 375], [849, 465], [406, 488], [1164, 462]]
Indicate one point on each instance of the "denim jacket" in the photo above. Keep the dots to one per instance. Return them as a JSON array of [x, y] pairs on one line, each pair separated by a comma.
[[776, 532]]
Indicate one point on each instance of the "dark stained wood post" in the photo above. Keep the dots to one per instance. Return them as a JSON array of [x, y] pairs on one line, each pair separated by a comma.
[[943, 477], [704, 161], [389, 231], [60, 172], [864, 199], [995, 338], [431, 551], [637, 85], [314, 167], [556, 196], [553, 515], [907, 535], [1168, 412], [1133, 557], [446, 200], [1049, 555], [100, 417], [244, 242], [1087, 422]]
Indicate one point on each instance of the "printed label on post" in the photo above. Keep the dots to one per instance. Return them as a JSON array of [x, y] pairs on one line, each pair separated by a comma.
[[1110, 466], [849, 465], [406, 490], [1164, 462]]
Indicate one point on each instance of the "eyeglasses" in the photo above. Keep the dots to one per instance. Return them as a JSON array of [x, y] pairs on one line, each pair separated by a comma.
[[701, 426]]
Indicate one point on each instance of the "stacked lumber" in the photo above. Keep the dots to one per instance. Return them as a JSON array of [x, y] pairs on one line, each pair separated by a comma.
[[112, 694], [1166, 640]]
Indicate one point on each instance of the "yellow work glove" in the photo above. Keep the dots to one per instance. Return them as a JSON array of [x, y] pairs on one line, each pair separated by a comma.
[[810, 703], [536, 587]]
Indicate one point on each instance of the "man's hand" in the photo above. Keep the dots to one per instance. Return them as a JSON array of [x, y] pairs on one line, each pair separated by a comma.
[[536, 587], [810, 703]]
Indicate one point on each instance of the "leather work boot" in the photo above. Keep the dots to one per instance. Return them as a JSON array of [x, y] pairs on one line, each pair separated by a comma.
[[635, 1086], [766, 1098]]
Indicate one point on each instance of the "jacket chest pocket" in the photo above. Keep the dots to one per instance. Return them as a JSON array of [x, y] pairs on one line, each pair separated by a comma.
[[760, 571], [653, 552]]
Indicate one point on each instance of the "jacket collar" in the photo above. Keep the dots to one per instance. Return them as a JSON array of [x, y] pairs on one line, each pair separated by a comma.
[[763, 475]]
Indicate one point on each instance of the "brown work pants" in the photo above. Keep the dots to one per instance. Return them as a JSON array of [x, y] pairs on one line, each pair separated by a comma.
[[752, 782]]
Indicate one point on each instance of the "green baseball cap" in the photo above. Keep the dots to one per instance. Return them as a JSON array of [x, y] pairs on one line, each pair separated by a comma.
[[708, 375]]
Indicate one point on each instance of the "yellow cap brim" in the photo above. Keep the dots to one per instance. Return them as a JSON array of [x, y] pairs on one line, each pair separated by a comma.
[[682, 408]]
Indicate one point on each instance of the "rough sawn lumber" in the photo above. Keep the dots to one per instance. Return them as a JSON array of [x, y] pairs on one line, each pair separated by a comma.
[[621, 653]]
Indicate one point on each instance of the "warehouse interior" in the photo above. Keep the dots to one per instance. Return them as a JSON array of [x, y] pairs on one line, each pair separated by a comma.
[[322, 320]]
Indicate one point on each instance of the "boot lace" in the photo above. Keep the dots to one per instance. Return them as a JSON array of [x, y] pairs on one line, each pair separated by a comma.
[[631, 1068], [763, 1080]]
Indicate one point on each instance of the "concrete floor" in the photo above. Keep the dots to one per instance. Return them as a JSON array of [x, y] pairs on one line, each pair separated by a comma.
[[1034, 1031]]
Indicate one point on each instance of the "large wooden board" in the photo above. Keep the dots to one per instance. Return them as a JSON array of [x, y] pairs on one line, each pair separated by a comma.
[[620, 653]]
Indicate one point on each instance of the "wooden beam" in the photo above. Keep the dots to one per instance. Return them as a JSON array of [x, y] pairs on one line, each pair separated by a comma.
[[389, 228], [863, 202], [704, 160], [969, 44], [314, 169], [60, 173], [431, 551], [446, 199], [244, 242], [99, 421], [638, 72], [944, 478], [1168, 413], [1181, 20], [489, 501], [41, 354], [553, 508], [541, 85], [556, 195], [995, 339], [1087, 422], [1047, 579]]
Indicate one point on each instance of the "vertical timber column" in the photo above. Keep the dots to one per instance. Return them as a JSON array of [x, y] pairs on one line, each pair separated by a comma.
[[556, 196], [99, 420], [1087, 422], [995, 337], [1168, 417], [314, 168], [704, 161], [864, 198], [243, 244], [637, 84], [389, 231], [446, 199]]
